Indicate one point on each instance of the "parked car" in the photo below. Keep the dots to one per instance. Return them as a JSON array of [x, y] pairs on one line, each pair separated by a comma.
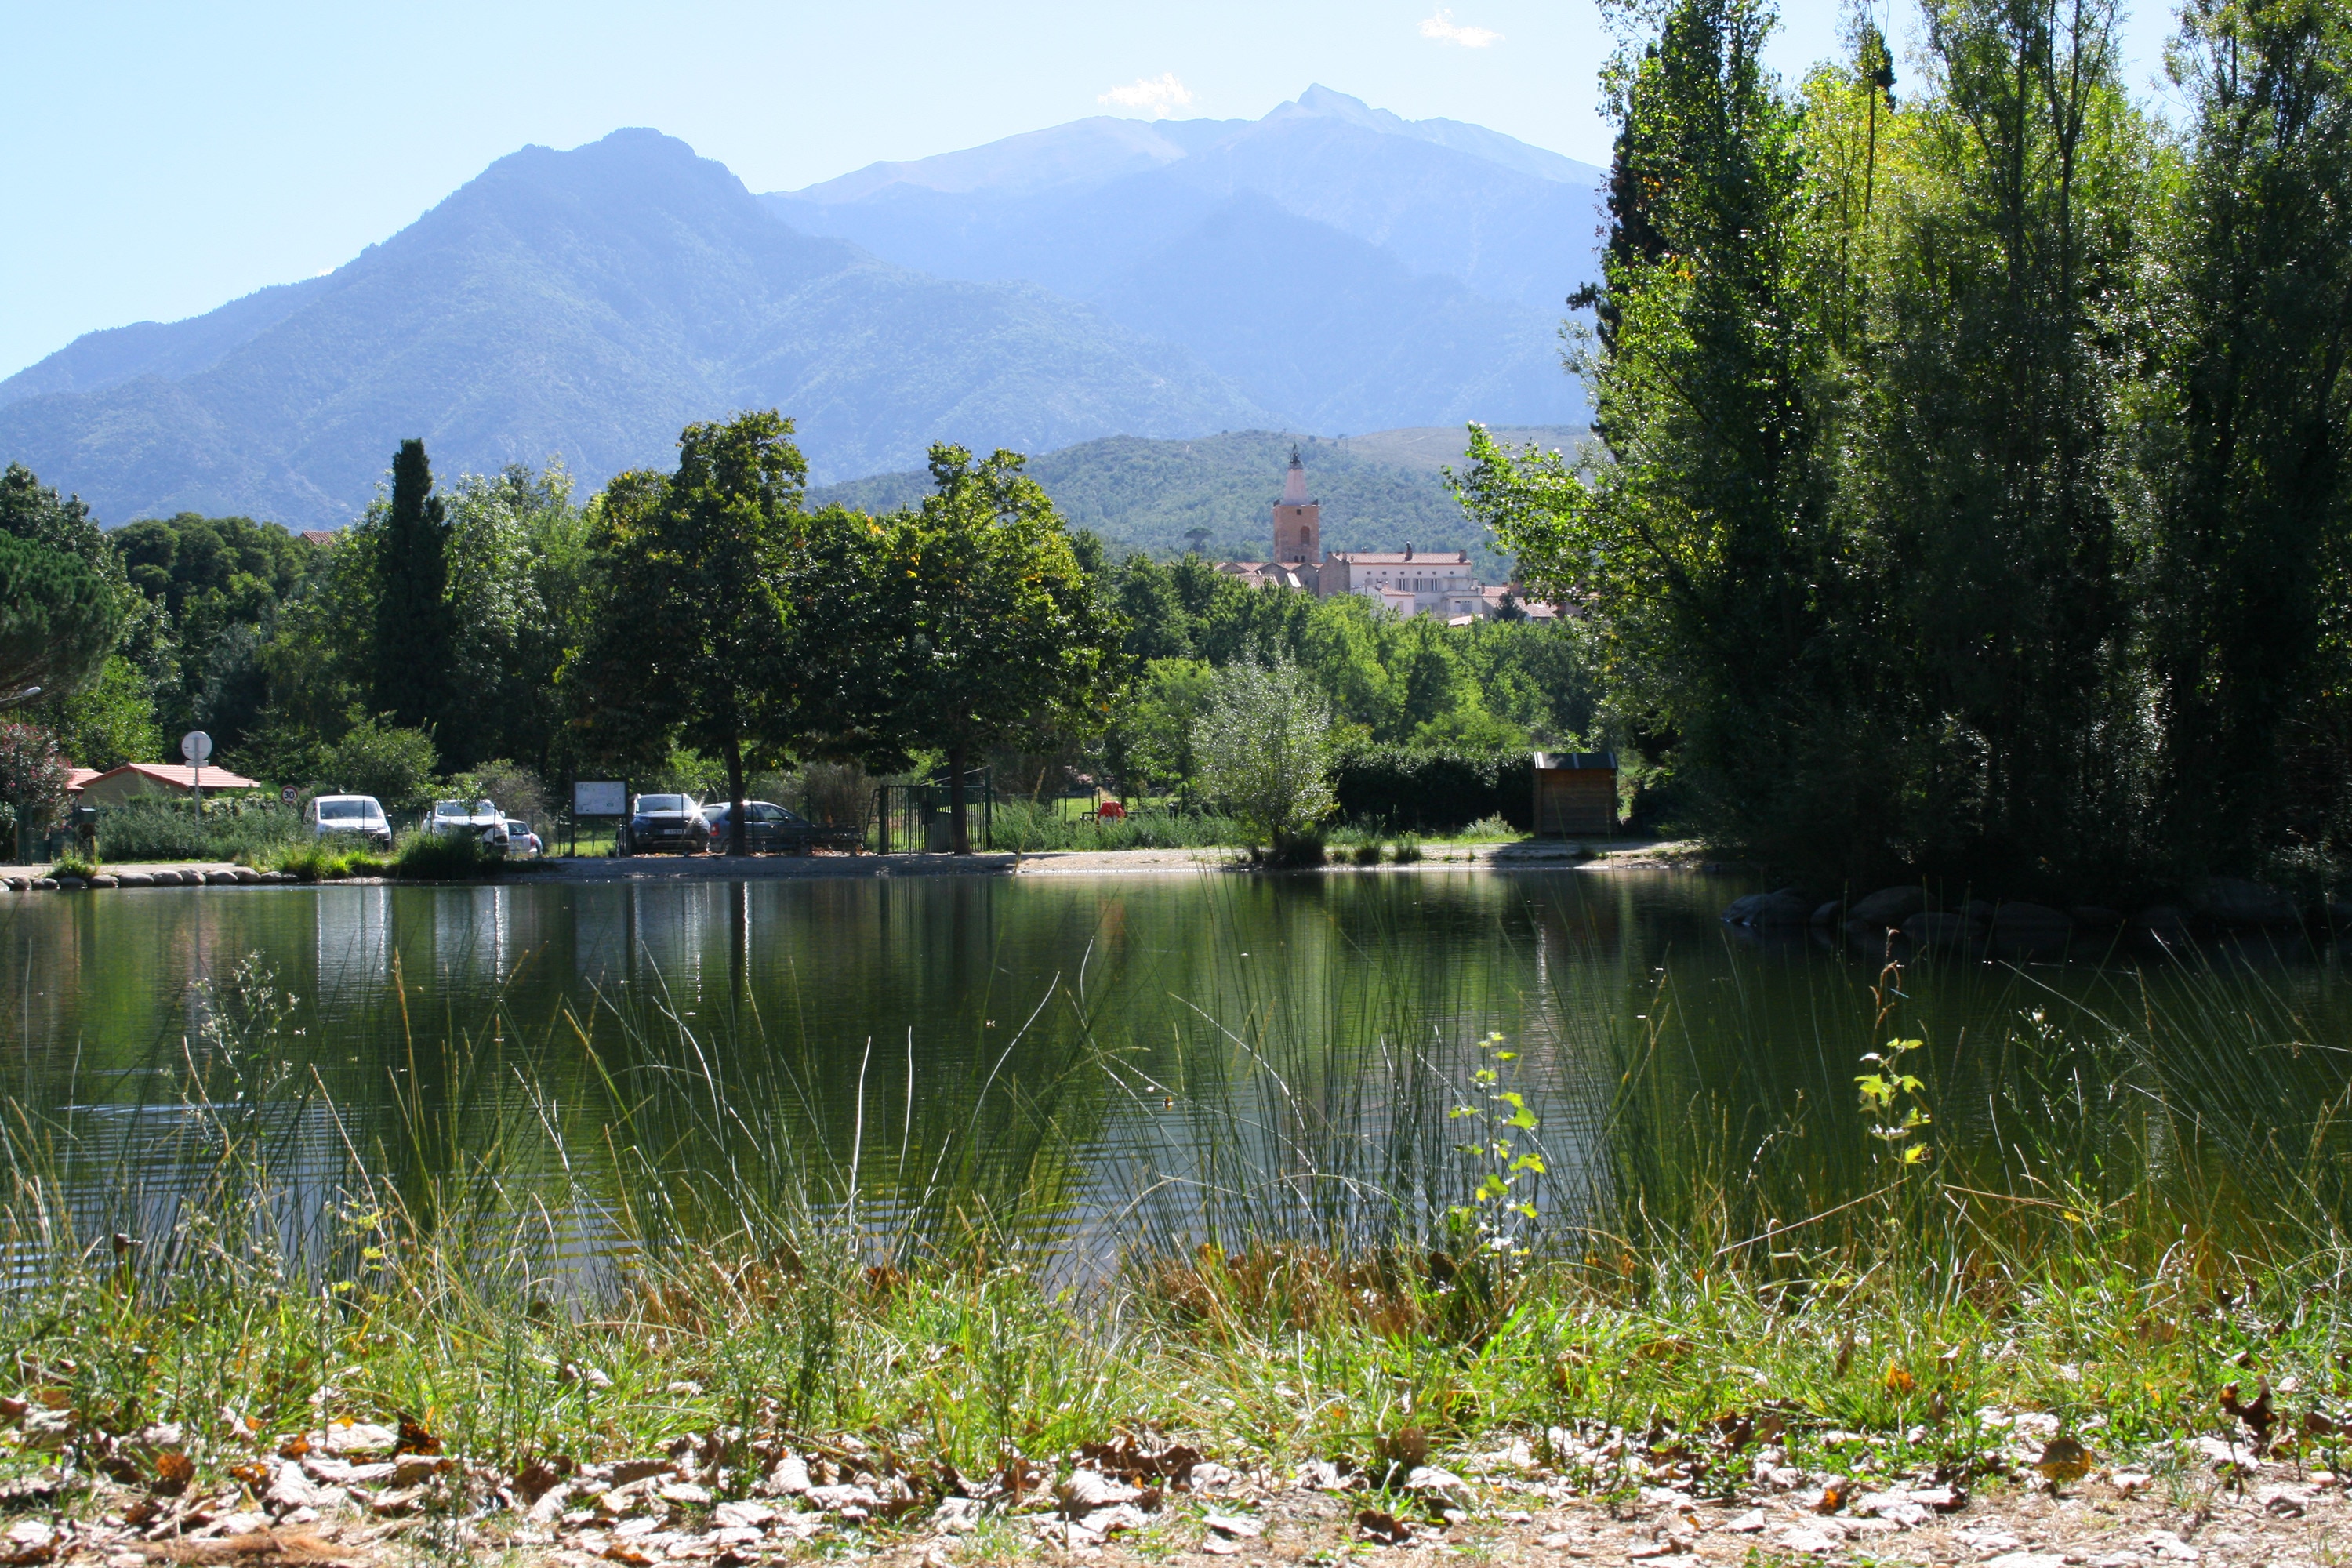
[[768, 829], [349, 815], [472, 817], [521, 840], [664, 822]]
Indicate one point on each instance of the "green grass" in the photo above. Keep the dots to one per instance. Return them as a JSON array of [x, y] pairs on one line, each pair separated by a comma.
[[418, 854], [1305, 1268], [1025, 827]]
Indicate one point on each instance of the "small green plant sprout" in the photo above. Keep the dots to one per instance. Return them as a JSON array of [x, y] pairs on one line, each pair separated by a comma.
[[1499, 1203], [1896, 1100]]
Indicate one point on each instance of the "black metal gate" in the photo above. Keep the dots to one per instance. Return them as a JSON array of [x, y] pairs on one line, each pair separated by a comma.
[[915, 819]]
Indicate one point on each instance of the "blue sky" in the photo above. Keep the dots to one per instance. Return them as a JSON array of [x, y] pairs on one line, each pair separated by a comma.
[[164, 158]]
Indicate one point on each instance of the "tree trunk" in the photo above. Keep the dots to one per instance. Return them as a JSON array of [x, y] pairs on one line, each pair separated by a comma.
[[959, 836], [736, 842]]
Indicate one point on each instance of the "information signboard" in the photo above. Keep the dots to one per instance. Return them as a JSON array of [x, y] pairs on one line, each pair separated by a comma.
[[600, 798]]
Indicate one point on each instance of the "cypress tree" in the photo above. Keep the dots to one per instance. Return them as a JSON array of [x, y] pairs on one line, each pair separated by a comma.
[[414, 635]]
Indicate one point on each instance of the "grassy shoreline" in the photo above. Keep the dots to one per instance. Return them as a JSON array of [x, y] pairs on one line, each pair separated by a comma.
[[1706, 1287]]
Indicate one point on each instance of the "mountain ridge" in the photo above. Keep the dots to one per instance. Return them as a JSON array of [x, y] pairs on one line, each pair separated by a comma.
[[1329, 267], [589, 304]]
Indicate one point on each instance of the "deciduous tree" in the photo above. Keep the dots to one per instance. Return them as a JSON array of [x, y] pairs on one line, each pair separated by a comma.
[[1003, 637]]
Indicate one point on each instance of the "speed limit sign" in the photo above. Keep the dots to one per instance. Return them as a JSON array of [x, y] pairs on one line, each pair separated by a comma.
[[288, 794]]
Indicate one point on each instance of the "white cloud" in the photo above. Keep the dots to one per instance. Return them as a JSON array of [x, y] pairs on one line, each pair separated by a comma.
[[1439, 24], [1160, 95]]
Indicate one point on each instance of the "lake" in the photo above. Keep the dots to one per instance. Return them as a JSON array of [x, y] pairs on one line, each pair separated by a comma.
[[1103, 1058]]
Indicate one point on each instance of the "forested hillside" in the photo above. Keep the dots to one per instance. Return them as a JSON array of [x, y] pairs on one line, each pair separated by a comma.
[[1377, 492]]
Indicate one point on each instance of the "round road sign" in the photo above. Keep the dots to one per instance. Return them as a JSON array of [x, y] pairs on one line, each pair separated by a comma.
[[195, 745]]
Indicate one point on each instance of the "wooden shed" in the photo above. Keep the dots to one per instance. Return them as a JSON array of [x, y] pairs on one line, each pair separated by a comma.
[[1576, 794]]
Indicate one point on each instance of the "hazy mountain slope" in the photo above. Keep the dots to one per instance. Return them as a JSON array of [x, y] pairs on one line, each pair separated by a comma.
[[1338, 333], [587, 304], [1149, 493], [1343, 266], [96, 361], [1504, 218]]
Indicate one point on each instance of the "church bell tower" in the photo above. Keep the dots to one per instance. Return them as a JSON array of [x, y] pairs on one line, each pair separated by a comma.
[[1298, 521]]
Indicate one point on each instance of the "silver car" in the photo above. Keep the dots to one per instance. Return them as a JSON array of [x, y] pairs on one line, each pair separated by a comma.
[[472, 817]]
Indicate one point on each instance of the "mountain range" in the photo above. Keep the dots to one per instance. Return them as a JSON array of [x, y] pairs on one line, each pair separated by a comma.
[[1328, 268]]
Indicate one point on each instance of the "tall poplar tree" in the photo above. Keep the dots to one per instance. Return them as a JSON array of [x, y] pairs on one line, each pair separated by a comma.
[[2248, 455], [414, 631]]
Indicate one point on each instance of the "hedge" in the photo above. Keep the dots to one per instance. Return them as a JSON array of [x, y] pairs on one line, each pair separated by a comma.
[[1426, 790]]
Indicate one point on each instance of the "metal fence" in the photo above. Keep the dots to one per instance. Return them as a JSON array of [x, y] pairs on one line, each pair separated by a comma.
[[914, 818]]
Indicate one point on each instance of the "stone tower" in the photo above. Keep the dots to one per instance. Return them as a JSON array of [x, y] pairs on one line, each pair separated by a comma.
[[1298, 521]]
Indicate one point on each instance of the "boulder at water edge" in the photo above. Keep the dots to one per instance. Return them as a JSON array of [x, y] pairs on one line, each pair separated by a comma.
[[1929, 928], [2030, 929], [1828, 914], [2234, 901], [1890, 906]]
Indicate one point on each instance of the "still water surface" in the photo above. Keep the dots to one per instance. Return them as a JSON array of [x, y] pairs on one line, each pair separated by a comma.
[[1082, 1039]]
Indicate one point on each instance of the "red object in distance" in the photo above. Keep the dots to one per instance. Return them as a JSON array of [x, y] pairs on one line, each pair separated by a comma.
[[1110, 811]]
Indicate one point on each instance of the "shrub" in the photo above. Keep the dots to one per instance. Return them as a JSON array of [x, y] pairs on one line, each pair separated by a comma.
[[32, 775], [1265, 750], [160, 829], [1492, 826], [393, 764], [1407, 851], [431, 857], [1437, 790]]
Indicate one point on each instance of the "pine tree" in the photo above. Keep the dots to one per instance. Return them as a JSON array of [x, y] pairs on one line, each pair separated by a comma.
[[414, 635]]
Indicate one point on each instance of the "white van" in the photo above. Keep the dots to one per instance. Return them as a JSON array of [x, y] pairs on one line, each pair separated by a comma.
[[357, 814]]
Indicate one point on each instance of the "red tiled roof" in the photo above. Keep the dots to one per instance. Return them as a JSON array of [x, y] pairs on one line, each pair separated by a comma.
[[76, 778], [179, 775], [1399, 558]]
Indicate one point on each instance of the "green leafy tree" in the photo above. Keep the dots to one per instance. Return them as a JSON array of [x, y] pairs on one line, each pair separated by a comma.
[[394, 764], [59, 621], [1705, 546], [78, 615], [1149, 743], [415, 634], [111, 721], [214, 587], [517, 548], [1265, 749], [1004, 637], [2249, 461], [695, 600]]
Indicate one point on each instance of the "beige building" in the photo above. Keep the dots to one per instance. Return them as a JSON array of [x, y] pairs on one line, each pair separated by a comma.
[[1437, 583]]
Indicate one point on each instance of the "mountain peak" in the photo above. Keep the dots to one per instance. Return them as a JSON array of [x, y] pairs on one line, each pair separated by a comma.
[[1320, 102]]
